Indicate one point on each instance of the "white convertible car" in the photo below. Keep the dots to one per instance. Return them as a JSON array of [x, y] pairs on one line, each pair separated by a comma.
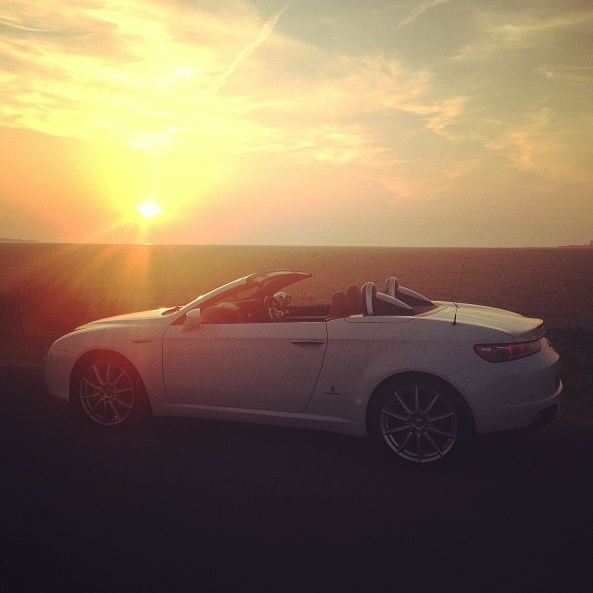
[[419, 377]]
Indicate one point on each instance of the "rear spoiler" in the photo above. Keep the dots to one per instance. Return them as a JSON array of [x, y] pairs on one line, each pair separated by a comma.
[[537, 333]]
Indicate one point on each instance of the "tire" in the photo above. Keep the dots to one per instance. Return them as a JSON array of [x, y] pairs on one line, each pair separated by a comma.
[[419, 420], [110, 392]]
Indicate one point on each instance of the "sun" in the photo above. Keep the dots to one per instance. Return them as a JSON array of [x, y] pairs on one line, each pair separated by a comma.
[[149, 209]]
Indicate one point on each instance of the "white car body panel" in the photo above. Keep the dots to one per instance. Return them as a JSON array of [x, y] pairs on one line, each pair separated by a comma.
[[265, 366]]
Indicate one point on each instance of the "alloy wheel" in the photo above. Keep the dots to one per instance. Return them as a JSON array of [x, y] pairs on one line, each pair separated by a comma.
[[107, 393], [419, 423]]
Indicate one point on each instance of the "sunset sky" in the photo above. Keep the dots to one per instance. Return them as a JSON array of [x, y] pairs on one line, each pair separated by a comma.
[[386, 122]]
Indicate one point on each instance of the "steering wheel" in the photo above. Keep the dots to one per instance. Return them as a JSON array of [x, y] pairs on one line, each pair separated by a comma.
[[274, 308]]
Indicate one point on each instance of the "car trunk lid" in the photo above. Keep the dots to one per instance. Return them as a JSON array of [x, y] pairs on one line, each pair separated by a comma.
[[520, 328]]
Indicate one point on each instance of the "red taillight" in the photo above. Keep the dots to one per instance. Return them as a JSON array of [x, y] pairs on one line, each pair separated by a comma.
[[506, 352]]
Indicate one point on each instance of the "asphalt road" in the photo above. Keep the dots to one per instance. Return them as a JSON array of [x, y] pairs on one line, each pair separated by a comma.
[[208, 506]]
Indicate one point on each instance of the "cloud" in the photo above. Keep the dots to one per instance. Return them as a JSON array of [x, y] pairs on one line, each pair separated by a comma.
[[152, 74], [499, 30], [528, 27], [579, 74]]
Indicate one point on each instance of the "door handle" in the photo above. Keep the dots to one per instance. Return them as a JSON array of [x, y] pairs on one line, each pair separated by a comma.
[[307, 342]]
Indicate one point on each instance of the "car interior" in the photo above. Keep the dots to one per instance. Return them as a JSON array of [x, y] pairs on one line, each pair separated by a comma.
[[354, 300]]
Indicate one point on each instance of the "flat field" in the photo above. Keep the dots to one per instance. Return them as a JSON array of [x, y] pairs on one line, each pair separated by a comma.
[[553, 284]]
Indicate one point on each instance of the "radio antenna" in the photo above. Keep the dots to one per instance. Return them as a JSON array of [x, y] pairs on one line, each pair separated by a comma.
[[458, 295]]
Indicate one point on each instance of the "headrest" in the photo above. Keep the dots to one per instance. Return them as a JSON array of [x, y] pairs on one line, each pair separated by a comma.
[[369, 290], [340, 305], [391, 286]]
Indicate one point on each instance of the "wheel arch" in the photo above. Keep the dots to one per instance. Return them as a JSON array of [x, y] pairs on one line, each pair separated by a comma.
[[398, 378]]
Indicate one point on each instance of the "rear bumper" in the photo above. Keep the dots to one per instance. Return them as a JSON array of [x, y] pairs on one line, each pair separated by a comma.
[[524, 414], [545, 416]]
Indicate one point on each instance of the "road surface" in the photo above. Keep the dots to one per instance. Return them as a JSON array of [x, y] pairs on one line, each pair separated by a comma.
[[210, 506]]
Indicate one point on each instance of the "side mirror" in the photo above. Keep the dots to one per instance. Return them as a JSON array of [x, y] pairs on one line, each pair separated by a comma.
[[193, 320]]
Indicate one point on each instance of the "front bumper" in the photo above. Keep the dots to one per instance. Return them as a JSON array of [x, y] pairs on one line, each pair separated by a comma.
[[57, 366]]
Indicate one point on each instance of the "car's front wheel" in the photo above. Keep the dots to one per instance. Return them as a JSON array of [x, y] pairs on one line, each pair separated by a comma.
[[110, 392], [419, 420]]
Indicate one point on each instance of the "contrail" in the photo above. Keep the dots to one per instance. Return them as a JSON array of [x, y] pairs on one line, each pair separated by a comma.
[[265, 32], [420, 10], [19, 27]]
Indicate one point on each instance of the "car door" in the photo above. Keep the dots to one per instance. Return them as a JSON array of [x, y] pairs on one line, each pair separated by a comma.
[[261, 366]]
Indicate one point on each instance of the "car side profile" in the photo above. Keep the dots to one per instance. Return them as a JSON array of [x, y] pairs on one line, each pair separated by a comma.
[[418, 377]]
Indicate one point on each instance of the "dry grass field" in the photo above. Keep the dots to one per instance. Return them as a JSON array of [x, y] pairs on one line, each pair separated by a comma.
[[554, 284], [48, 289], [50, 286]]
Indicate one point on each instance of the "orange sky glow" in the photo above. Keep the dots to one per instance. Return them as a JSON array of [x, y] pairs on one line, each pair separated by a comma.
[[410, 123]]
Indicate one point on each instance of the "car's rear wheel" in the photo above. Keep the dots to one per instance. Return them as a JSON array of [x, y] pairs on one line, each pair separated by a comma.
[[419, 420], [110, 392]]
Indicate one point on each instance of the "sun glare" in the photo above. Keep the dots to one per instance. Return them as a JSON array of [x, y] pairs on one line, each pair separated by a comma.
[[149, 209]]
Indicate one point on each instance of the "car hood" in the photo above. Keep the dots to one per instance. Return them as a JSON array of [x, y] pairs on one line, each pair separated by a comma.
[[517, 326], [141, 318]]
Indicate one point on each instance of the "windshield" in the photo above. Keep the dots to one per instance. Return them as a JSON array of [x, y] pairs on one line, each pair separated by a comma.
[[256, 286]]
